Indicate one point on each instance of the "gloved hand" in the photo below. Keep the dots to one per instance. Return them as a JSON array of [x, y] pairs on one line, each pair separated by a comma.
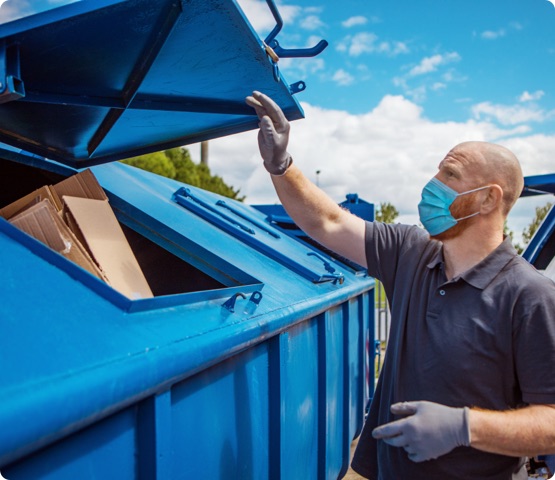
[[273, 135], [430, 430]]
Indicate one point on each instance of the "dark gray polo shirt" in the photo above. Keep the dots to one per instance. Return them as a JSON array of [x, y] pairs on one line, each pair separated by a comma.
[[484, 339]]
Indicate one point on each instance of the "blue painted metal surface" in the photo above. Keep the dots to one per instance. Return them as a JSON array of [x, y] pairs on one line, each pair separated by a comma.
[[242, 365], [541, 249], [539, 185], [540, 252], [277, 216], [177, 385], [108, 79]]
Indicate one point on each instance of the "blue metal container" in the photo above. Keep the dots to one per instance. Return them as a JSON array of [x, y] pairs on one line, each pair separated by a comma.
[[540, 252], [251, 361]]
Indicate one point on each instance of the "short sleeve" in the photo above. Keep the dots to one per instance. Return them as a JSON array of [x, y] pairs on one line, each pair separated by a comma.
[[386, 246], [534, 339]]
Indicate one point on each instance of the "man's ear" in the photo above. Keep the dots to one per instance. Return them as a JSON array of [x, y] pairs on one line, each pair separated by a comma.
[[493, 199]]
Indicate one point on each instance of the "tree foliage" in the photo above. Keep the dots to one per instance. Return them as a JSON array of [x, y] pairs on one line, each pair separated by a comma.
[[177, 164], [386, 213], [529, 231], [509, 233]]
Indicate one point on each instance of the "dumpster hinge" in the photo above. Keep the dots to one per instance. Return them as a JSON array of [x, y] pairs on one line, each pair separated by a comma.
[[253, 302], [230, 304]]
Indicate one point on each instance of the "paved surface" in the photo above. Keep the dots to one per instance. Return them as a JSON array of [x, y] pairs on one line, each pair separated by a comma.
[[351, 475]]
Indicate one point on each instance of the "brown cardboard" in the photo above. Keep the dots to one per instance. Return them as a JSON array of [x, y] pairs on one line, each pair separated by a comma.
[[43, 222], [74, 218], [106, 241], [31, 199], [82, 185]]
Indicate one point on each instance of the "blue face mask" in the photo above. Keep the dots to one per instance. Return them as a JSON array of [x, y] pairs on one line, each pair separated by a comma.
[[434, 207]]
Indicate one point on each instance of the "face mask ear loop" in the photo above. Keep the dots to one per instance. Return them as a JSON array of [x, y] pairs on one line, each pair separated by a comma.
[[474, 190], [468, 216], [471, 191]]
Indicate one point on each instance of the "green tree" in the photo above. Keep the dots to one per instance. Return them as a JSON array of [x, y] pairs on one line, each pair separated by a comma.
[[529, 231], [386, 213], [154, 162], [177, 164], [509, 233]]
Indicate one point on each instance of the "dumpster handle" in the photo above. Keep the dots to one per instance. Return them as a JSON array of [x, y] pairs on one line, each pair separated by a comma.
[[328, 266], [255, 222], [271, 41], [277, 17], [335, 278], [184, 193], [274, 50]]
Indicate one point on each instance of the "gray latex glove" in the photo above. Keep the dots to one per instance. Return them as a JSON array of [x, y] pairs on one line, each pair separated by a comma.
[[429, 431], [273, 135]]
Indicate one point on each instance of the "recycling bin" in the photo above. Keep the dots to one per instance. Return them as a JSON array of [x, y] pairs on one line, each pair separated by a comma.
[[540, 252], [249, 354]]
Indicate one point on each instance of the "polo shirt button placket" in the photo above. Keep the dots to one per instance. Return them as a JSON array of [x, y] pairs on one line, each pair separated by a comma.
[[442, 292]]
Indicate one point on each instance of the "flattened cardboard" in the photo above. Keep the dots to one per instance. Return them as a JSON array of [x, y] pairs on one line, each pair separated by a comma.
[[83, 185], [31, 199], [43, 222], [109, 247]]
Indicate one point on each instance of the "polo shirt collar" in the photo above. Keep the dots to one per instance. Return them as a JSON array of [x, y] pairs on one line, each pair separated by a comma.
[[485, 271]]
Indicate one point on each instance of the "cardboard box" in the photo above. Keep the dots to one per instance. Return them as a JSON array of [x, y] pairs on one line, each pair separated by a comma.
[[107, 244], [33, 198], [43, 222], [74, 218], [82, 185]]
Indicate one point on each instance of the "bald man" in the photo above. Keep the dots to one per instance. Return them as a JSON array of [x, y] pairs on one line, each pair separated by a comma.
[[467, 390]]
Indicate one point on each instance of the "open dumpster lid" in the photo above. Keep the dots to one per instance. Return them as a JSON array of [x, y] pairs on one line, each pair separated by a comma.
[[100, 80], [539, 185]]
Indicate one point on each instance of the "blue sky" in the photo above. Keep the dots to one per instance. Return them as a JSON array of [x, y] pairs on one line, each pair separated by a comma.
[[403, 81], [481, 59], [399, 85]]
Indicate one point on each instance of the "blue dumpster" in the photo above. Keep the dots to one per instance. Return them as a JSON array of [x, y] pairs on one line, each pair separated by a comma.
[[250, 360], [540, 252]]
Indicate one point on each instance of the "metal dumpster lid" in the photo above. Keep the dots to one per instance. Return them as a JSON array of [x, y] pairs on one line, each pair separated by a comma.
[[101, 80], [539, 185]]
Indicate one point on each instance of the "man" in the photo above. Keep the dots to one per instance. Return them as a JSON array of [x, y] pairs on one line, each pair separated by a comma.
[[467, 390]]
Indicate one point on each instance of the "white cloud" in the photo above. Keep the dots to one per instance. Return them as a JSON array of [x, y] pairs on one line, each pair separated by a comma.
[[428, 65], [493, 35], [438, 86], [510, 114], [384, 155], [261, 18], [302, 67], [501, 32], [343, 78], [367, 42], [311, 22], [354, 21], [530, 97], [431, 64]]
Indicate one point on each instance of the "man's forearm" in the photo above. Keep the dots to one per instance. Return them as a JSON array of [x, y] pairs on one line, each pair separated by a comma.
[[319, 216], [528, 431], [309, 206]]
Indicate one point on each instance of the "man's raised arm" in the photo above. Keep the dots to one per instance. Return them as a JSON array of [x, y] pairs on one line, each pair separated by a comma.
[[312, 210]]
